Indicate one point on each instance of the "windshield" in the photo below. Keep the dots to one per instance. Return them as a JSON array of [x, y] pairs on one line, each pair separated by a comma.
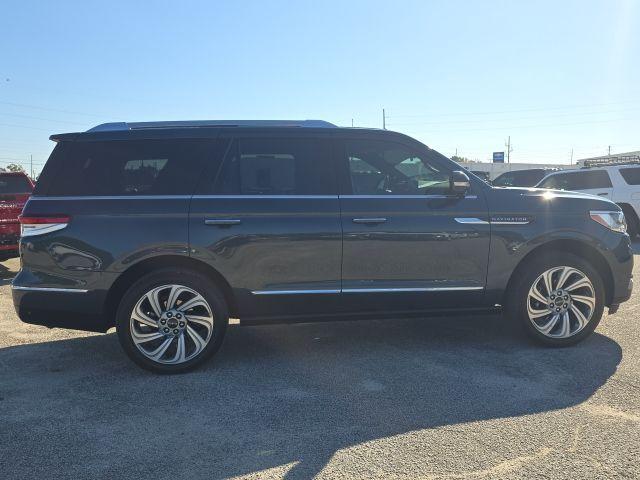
[[14, 184]]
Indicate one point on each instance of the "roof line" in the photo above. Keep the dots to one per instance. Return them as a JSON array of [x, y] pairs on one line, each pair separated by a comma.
[[119, 126]]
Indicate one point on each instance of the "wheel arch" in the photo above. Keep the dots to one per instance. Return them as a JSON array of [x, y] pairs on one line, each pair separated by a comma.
[[575, 247], [134, 272], [630, 213]]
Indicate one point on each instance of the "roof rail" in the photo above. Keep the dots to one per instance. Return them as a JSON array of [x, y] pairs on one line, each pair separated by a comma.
[[610, 161], [118, 126]]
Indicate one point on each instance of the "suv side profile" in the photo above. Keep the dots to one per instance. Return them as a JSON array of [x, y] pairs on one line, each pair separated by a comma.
[[618, 182], [166, 230], [15, 188]]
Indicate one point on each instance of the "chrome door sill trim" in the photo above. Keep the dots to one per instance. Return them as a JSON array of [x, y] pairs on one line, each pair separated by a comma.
[[469, 197], [291, 292], [48, 289], [364, 290], [416, 289]]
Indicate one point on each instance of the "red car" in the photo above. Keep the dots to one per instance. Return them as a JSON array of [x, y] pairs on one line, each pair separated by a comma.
[[15, 189]]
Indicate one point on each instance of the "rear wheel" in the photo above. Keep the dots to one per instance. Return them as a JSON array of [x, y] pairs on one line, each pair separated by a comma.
[[171, 320], [559, 299]]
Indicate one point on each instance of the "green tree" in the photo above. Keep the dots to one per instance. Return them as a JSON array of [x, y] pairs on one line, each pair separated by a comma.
[[14, 167]]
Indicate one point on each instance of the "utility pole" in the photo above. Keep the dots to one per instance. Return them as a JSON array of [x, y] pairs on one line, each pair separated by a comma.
[[509, 149], [384, 120], [571, 159], [31, 162], [609, 154], [352, 123]]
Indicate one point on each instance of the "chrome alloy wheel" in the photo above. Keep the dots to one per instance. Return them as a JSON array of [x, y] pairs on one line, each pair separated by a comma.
[[171, 324], [561, 302]]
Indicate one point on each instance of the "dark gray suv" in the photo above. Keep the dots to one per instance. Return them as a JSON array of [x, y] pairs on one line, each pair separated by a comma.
[[165, 230]]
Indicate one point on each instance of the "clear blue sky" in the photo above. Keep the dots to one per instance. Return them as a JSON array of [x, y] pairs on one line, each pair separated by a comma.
[[555, 75]]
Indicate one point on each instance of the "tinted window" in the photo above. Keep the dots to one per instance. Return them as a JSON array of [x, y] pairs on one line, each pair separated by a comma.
[[134, 167], [14, 184], [525, 178], [578, 180], [277, 166], [631, 175], [386, 168]]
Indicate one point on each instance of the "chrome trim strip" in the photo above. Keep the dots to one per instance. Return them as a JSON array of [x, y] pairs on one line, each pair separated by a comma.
[[291, 292], [470, 197], [48, 289], [471, 221], [416, 289], [200, 197], [364, 290], [248, 197], [116, 197]]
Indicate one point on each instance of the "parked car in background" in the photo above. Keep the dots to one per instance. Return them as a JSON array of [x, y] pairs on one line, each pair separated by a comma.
[[619, 182], [522, 178], [481, 174], [15, 189], [165, 230]]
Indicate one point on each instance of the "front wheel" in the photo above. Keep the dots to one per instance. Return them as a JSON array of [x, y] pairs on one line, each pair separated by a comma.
[[559, 299], [171, 320]]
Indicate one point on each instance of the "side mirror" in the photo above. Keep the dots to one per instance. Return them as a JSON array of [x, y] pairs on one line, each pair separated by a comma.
[[459, 183]]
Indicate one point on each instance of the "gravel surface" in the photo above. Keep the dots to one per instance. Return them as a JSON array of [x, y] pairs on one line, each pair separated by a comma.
[[448, 398]]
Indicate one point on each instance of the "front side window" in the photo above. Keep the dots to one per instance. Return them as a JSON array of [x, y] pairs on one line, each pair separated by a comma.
[[578, 180], [277, 166], [386, 168]]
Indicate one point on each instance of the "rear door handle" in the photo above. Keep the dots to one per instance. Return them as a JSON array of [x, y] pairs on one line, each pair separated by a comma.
[[371, 220], [603, 194], [222, 222]]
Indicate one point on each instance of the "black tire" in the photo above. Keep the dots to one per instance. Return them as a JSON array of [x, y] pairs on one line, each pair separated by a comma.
[[518, 296], [633, 226], [172, 276]]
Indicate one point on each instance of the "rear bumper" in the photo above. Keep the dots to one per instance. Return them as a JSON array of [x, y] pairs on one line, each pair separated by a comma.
[[64, 308], [9, 237]]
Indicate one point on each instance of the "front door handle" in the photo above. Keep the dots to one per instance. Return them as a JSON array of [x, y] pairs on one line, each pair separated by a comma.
[[222, 222], [372, 220], [603, 194]]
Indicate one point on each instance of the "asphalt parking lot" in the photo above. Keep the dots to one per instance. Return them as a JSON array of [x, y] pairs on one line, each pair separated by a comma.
[[438, 398]]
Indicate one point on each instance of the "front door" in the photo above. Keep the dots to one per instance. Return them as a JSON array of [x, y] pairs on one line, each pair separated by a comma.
[[407, 242]]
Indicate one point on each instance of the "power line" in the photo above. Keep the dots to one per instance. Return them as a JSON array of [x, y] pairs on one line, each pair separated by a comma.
[[535, 109]]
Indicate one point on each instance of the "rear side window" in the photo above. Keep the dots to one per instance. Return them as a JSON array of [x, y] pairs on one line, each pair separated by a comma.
[[129, 168], [14, 184], [277, 166], [578, 180], [631, 175]]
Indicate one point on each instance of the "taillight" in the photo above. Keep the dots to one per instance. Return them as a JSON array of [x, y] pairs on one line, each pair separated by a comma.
[[38, 225]]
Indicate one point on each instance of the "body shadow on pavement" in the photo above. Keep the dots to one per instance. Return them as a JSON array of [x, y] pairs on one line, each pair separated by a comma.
[[276, 395]]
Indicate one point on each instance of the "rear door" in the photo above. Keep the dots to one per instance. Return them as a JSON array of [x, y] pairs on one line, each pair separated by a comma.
[[408, 243], [269, 222], [595, 182]]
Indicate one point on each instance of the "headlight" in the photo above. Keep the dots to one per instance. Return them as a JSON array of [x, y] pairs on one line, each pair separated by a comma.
[[612, 220]]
